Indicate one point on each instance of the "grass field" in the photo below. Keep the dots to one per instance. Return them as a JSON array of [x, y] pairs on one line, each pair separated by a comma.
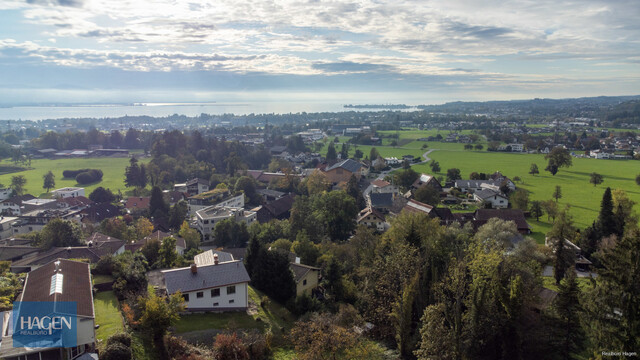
[[112, 168], [274, 316], [583, 197], [107, 315]]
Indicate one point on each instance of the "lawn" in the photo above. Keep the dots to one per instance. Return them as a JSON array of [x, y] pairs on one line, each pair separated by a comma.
[[550, 283], [101, 279], [274, 316], [113, 169], [583, 197], [107, 315]]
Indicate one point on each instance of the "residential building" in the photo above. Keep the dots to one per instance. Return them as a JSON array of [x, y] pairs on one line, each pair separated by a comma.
[[426, 180], [181, 244], [38, 204], [215, 197], [36, 220], [277, 209], [12, 206], [207, 218], [342, 171], [306, 278], [496, 198], [209, 257], [193, 187], [57, 282], [5, 193], [372, 218], [137, 204], [222, 286], [470, 186], [6, 229], [381, 202], [95, 213], [381, 186], [100, 246], [68, 192]]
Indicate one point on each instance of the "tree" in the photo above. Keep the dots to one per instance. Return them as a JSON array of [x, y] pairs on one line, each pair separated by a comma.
[[533, 170], [143, 228], [230, 233], [331, 153], [568, 312], [270, 272], [453, 174], [428, 195], [373, 154], [17, 184], [435, 166], [191, 236], [479, 147], [134, 175], [322, 337], [520, 199], [401, 315], [564, 257], [606, 220], [167, 255], [613, 304], [230, 347], [596, 179], [552, 168], [178, 214], [557, 193], [49, 181], [358, 154], [282, 244], [158, 208], [305, 249], [638, 179], [317, 183], [354, 191], [151, 251], [536, 209], [406, 177], [159, 313], [338, 211], [468, 147], [558, 157], [102, 195], [551, 208], [247, 185], [60, 233]]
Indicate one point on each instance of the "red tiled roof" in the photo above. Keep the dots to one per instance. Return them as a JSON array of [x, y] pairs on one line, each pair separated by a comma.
[[380, 183], [137, 203]]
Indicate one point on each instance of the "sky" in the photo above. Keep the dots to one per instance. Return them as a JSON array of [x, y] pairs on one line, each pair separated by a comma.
[[366, 51]]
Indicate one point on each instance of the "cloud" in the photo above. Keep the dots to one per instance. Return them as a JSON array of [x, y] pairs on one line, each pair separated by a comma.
[[70, 3]]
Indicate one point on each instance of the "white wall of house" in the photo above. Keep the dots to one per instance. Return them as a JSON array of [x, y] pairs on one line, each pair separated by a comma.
[[496, 201], [68, 192], [86, 331], [5, 193], [239, 299]]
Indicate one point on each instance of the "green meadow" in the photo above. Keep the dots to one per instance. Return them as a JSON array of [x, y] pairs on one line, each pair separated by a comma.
[[583, 198], [112, 168]]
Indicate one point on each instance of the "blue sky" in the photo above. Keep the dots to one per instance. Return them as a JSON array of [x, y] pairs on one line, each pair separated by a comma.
[[363, 51]]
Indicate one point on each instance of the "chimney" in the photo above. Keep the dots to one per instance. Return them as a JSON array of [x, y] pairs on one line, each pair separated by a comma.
[[194, 268], [215, 259]]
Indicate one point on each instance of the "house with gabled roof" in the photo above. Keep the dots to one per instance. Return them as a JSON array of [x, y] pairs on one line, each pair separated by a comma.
[[426, 180], [306, 278], [221, 286], [372, 218], [342, 171], [55, 284], [496, 198]]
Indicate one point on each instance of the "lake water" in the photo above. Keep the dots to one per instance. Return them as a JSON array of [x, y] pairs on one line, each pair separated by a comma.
[[167, 109]]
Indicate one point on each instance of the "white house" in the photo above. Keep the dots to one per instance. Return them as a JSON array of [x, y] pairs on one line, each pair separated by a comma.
[[381, 186], [68, 192], [496, 198], [215, 197], [5, 193], [207, 218], [222, 286], [372, 218]]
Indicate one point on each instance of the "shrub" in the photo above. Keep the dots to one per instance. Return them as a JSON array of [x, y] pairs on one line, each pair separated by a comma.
[[229, 347], [122, 338], [84, 176], [116, 351]]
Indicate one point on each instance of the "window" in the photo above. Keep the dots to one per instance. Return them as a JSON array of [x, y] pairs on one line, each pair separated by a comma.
[[231, 301], [231, 289], [185, 297], [215, 292], [215, 304], [304, 282], [199, 294], [206, 221]]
